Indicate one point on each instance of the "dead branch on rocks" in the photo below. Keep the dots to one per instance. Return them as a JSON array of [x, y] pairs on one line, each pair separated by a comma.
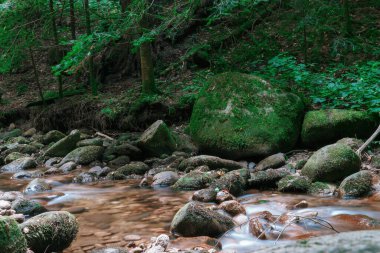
[[373, 136]]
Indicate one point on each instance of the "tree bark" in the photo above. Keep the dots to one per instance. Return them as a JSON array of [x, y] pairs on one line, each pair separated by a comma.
[[72, 20], [93, 83], [347, 18], [36, 76]]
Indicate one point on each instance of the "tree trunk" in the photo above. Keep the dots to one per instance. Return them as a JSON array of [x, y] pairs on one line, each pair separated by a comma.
[[56, 42], [72, 20], [347, 18], [36, 76], [93, 83]]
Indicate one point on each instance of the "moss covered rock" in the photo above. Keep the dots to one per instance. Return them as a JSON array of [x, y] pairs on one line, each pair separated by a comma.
[[50, 231], [195, 180], [267, 179], [235, 182], [356, 185], [332, 163], [292, 183], [136, 168], [7, 135], [11, 238], [28, 207], [83, 155], [196, 220], [213, 162], [321, 189], [90, 142], [327, 126], [52, 136], [13, 156], [64, 145], [239, 115]]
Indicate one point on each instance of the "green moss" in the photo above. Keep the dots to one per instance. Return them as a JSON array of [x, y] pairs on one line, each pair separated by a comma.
[[317, 188], [137, 168], [11, 238], [294, 184], [64, 145], [327, 126], [83, 155], [239, 115], [356, 185], [195, 180]]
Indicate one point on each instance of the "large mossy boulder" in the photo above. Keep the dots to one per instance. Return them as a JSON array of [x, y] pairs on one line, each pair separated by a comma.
[[158, 139], [11, 134], [83, 155], [133, 168], [50, 231], [331, 163], [52, 136], [195, 180], [64, 145], [11, 238], [235, 182], [356, 185], [327, 126], [194, 219], [239, 115]]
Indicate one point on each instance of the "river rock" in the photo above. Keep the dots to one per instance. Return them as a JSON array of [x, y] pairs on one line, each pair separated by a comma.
[[158, 139], [110, 250], [5, 205], [124, 149], [353, 143], [21, 148], [205, 195], [30, 132], [165, 178], [52, 136], [85, 177], [195, 220], [51, 230], [10, 196], [137, 168], [331, 163], [293, 183], [327, 126], [268, 178], [90, 142], [83, 155], [271, 162], [120, 161], [160, 244], [321, 189], [232, 207], [37, 185], [19, 140], [356, 185], [238, 115], [235, 182], [347, 242], [19, 165], [7, 135], [28, 207], [223, 195], [64, 145], [195, 180], [213, 162], [67, 167], [11, 238], [14, 156]]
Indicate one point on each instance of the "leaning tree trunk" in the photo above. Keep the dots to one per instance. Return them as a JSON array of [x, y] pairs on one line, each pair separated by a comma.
[[93, 83], [56, 42]]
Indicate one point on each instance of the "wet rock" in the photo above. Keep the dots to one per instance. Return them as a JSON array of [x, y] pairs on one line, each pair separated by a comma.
[[21, 148], [52, 136], [14, 156], [83, 155], [30, 132], [257, 229], [28, 174], [165, 178], [120, 161], [300, 164], [327, 126], [321, 189], [19, 165], [64, 145], [10, 196], [356, 185], [53, 171], [11, 238], [99, 171], [116, 175], [332, 163], [232, 207], [90, 142], [212, 162], [223, 195], [11, 134], [124, 149], [293, 183], [67, 167], [158, 139], [132, 238], [51, 162], [301, 204], [28, 207], [51, 230], [195, 220], [235, 182], [85, 177], [19, 140], [159, 245], [353, 143], [137, 168], [267, 179], [348, 242], [205, 195], [195, 180], [110, 250], [37, 185], [271, 162], [203, 243]]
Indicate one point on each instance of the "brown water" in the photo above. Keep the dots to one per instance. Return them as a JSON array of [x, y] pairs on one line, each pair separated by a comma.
[[108, 211]]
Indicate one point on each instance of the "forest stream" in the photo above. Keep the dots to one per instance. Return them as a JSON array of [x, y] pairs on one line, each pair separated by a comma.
[[114, 213]]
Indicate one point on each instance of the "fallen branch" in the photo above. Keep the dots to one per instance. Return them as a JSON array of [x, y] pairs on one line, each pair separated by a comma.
[[373, 136], [104, 135]]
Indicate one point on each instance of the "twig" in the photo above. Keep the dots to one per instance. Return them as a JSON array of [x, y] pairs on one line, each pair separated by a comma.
[[105, 136], [373, 136]]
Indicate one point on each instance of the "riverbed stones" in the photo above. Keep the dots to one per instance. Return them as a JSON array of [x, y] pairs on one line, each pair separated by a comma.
[[193, 219], [136, 168], [235, 182], [11, 134], [331, 163], [165, 178], [271, 162], [85, 177], [327, 126], [37, 185], [13, 156], [19, 165], [294, 183], [204, 195], [213, 162], [11, 238], [67, 167], [28, 207], [123, 149], [90, 142], [196, 180], [321, 189], [30, 132], [239, 115], [64, 146], [52, 136], [83, 155], [267, 179], [158, 139], [232, 207], [356, 185], [51, 230]]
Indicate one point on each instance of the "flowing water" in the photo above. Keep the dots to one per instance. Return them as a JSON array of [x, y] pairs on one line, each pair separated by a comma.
[[108, 211]]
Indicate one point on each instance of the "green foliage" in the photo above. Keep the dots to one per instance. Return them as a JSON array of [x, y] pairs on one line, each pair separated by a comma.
[[21, 89], [356, 86], [52, 94]]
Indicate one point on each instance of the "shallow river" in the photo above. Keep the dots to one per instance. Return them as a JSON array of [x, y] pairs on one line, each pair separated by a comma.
[[108, 211]]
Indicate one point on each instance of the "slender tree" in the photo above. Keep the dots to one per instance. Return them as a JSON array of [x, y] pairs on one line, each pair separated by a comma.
[[94, 85], [347, 18], [72, 20], [36, 75]]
